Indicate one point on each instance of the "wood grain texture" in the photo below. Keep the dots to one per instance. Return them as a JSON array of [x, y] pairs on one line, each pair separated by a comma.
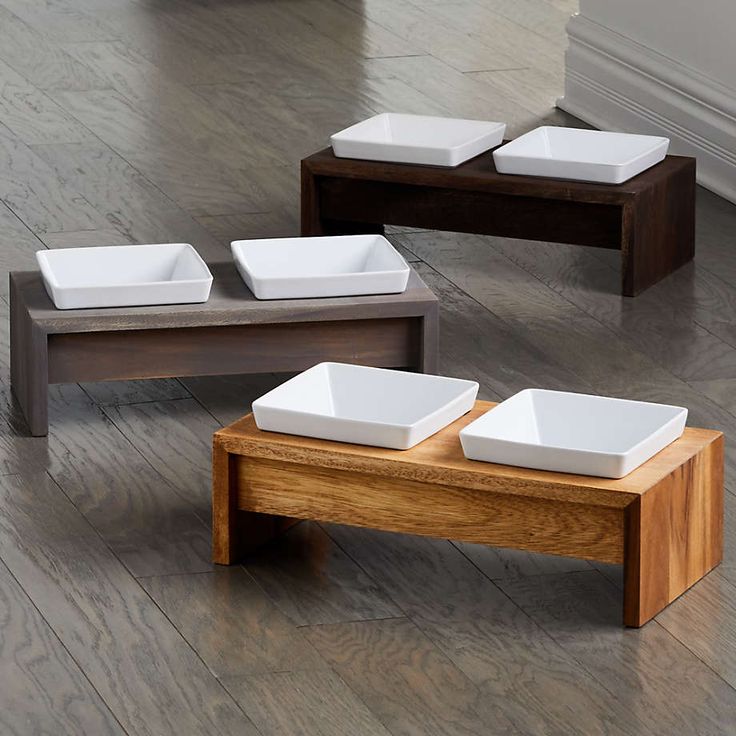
[[33, 116], [41, 61], [128, 203], [139, 514], [704, 619], [674, 535], [28, 363], [121, 393], [406, 681], [246, 348], [518, 666], [365, 499], [174, 437], [232, 624], [498, 564], [19, 247], [318, 703], [642, 667], [43, 691], [36, 195], [146, 673], [313, 581]]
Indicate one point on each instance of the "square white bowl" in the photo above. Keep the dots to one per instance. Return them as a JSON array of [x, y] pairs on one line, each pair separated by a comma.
[[365, 406], [572, 433], [124, 275], [417, 139], [585, 155], [303, 268]]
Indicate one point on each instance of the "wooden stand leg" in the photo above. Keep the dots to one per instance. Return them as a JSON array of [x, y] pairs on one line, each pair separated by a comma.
[[29, 373], [674, 535], [429, 351], [658, 232], [236, 532]]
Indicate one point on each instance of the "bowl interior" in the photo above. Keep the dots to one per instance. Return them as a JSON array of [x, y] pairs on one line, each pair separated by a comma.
[[573, 421], [123, 265], [588, 146], [365, 394], [418, 130], [330, 256]]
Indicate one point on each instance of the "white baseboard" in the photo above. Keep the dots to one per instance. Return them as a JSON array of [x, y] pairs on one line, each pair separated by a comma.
[[614, 83]]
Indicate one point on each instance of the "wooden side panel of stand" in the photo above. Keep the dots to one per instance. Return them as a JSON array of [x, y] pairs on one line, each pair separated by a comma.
[[28, 363], [98, 356], [674, 535], [359, 499], [658, 231], [235, 532]]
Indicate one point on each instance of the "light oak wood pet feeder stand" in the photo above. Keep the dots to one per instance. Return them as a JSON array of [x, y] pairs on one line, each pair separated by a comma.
[[664, 521]]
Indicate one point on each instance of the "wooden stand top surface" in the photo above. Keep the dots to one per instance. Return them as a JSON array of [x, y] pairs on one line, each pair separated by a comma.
[[439, 460], [479, 174], [230, 303]]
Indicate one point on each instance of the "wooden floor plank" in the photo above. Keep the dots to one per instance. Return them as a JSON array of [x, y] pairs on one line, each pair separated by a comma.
[[502, 362], [33, 116], [229, 398], [704, 620], [36, 195], [410, 685], [138, 513], [19, 246], [121, 393], [43, 690], [146, 673], [232, 624], [318, 703], [175, 437], [665, 687], [167, 154], [83, 238], [498, 564], [314, 582], [535, 682], [42, 62]]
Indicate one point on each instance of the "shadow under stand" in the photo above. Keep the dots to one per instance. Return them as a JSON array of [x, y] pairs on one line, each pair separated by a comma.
[[231, 333]]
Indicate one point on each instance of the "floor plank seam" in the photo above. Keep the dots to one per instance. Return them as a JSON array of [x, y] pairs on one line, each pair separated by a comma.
[[657, 622], [194, 651], [162, 479], [63, 646], [353, 621]]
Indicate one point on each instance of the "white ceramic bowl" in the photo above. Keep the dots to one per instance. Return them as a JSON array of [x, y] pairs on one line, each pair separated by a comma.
[[586, 155], [572, 433], [124, 275], [417, 139], [302, 268], [365, 406]]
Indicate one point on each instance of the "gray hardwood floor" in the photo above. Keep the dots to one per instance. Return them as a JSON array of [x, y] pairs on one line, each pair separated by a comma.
[[128, 121]]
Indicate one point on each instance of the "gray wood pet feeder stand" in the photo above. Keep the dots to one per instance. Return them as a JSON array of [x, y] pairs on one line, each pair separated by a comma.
[[231, 333]]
